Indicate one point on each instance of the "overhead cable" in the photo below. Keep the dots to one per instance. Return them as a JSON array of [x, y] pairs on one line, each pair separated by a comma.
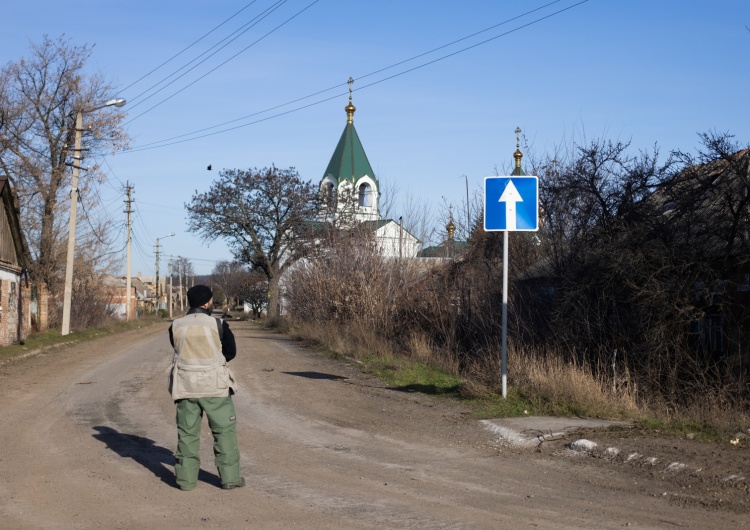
[[225, 62], [344, 84], [248, 26], [168, 142], [185, 49]]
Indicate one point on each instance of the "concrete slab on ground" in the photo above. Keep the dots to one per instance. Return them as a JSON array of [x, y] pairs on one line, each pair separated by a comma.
[[530, 431]]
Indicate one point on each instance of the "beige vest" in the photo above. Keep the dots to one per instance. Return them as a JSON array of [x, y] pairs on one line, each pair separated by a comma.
[[198, 369]]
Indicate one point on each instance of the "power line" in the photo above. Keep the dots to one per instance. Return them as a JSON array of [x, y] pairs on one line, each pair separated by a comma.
[[94, 230], [185, 49], [161, 206], [169, 141], [267, 12], [145, 148], [225, 62], [359, 77], [144, 255], [138, 218], [105, 208], [112, 171]]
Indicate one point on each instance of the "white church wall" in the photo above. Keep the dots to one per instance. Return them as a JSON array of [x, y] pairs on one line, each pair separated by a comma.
[[393, 242]]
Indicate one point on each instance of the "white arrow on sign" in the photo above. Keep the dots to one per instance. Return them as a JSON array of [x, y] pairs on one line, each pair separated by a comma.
[[510, 197]]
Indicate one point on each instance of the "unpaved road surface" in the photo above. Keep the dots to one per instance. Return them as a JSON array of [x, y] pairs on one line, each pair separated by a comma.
[[87, 438]]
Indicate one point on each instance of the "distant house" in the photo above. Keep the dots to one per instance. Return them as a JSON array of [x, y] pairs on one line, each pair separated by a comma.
[[144, 294], [23, 306], [708, 206], [117, 294], [702, 220]]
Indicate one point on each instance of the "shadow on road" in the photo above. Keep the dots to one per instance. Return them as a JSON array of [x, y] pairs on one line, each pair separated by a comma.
[[145, 451], [434, 390], [317, 375]]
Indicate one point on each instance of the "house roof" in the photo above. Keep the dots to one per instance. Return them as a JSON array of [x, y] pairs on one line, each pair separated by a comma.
[[380, 223], [377, 225], [704, 196], [374, 225], [446, 249], [349, 161]]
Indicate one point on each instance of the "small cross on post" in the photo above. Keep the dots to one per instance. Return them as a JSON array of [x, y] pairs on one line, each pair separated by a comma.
[[518, 140], [350, 82]]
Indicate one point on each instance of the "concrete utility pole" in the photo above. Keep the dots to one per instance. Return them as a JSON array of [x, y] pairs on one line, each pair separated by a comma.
[[179, 279], [77, 158], [157, 274], [157, 268], [170, 286], [128, 274], [468, 211], [187, 275]]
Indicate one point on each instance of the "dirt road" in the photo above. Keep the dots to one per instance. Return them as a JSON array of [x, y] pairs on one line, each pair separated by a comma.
[[88, 434]]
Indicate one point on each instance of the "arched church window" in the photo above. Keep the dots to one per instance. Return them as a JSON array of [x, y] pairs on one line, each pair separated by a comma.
[[328, 194], [365, 196]]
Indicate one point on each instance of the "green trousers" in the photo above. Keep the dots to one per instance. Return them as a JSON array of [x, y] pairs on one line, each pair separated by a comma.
[[221, 420]]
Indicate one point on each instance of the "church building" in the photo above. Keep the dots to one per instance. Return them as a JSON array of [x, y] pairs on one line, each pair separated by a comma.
[[352, 193]]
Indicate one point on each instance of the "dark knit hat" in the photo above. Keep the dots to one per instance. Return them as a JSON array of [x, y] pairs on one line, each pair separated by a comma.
[[199, 295]]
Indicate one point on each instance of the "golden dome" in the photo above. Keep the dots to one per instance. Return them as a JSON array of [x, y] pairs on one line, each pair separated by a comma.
[[350, 112]]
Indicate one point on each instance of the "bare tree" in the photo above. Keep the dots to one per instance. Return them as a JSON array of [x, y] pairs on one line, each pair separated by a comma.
[[262, 214], [418, 218], [347, 280], [254, 292], [710, 198], [388, 191], [231, 277], [39, 99]]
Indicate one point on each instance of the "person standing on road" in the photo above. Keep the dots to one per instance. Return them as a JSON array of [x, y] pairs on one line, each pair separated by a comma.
[[200, 381]]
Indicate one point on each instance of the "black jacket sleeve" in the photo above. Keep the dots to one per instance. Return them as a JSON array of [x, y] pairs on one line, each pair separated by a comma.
[[228, 345], [171, 337]]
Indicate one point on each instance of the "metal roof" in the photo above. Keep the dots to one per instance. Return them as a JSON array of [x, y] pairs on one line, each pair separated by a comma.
[[349, 161]]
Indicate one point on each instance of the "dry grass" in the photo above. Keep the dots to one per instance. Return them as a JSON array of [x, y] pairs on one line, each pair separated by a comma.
[[420, 347], [712, 409], [352, 302], [549, 384], [564, 384], [539, 382], [351, 339]]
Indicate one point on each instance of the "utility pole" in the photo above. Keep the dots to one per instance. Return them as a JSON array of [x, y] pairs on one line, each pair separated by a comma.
[[179, 278], [77, 158], [68, 291], [157, 274], [170, 286], [157, 268], [128, 274], [468, 211], [187, 276]]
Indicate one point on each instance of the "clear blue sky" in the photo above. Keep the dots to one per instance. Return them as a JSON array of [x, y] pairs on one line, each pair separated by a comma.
[[657, 71]]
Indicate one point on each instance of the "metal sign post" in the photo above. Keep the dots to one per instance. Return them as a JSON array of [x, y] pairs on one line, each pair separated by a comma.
[[511, 205]]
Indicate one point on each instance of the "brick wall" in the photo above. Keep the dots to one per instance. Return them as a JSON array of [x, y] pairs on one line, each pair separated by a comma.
[[9, 293], [34, 309], [15, 326]]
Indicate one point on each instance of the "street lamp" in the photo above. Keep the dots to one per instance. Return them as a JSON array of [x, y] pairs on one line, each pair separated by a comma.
[[157, 267], [68, 292]]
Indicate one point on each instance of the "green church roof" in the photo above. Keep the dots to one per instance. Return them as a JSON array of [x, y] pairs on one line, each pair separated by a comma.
[[349, 161]]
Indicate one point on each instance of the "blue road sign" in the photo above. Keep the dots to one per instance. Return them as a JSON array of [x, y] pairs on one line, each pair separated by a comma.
[[511, 204]]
